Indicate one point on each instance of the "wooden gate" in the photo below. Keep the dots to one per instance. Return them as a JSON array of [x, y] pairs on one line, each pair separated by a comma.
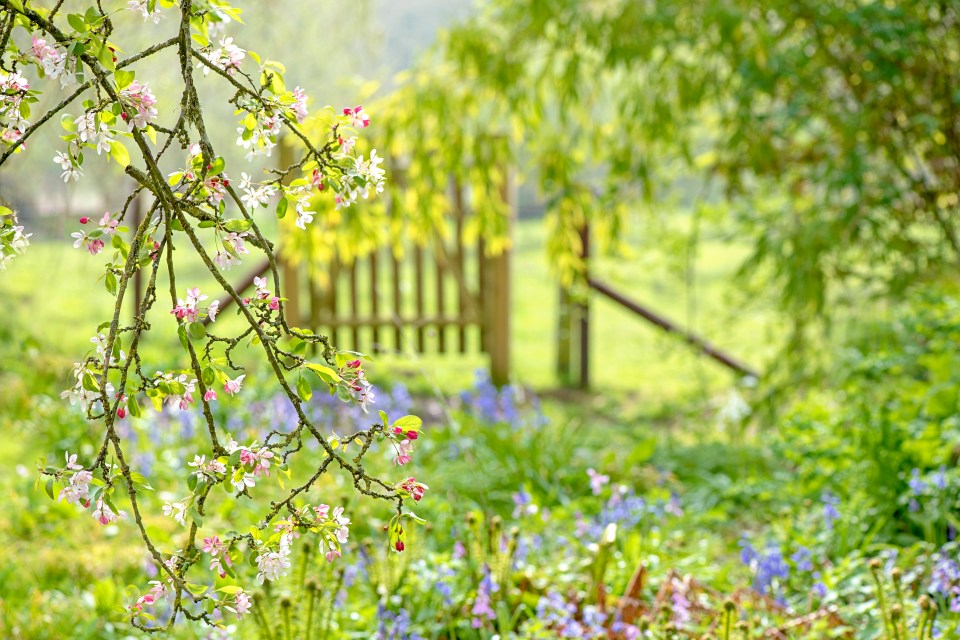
[[443, 297]]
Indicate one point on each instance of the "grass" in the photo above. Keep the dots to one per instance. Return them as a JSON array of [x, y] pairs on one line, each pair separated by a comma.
[[56, 304]]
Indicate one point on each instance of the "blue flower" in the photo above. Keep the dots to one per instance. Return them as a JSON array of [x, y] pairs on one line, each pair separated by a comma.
[[916, 484], [801, 559], [940, 478], [830, 513]]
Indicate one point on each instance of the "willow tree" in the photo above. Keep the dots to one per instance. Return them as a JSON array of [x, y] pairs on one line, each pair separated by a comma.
[[828, 130]]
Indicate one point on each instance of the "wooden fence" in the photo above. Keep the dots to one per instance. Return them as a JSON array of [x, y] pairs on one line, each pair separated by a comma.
[[445, 297]]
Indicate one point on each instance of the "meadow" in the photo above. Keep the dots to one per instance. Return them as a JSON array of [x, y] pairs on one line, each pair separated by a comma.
[[659, 505]]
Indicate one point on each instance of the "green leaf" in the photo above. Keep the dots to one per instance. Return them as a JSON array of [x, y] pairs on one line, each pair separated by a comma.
[[217, 166], [134, 407], [4, 211], [90, 383], [111, 283], [48, 487], [196, 589], [409, 423], [182, 334], [303, 389], [77, 23], [119, 153], [196, 331], [123, 78], [326, 373], [196, 517], [105, 56], [140, 481], [282, 208], [230, 590], [237, 226]]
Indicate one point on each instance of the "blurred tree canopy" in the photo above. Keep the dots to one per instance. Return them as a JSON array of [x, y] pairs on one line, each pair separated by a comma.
[[830, 131]]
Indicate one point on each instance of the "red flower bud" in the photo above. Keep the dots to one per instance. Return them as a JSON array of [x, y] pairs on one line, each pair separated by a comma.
[[412, 435], [399, 545], [84, 219], [121, 413]]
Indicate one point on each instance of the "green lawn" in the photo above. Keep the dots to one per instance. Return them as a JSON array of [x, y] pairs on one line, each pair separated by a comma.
[[56, 298]]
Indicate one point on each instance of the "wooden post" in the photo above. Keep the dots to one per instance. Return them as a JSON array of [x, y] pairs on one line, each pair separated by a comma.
[[375, 302], [564, 348], [291, 275], [498, 300], [583, 311], [461, 275]]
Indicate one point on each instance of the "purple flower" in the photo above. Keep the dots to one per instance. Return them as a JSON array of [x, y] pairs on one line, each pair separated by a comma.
[[395, 626], [747, 553], [940, 478], [768, 566], [801, 559], [945, 574], [916, 484], [523, 504], [482, 603], [819, 589], [830, 513]]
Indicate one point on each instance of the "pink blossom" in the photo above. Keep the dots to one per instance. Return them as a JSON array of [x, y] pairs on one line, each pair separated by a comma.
[[597, 481], [140, 99], [72, 461], [212, 545], [107, 224], [414, 488], [48, 57], [274, 303], [357, 116], [212, 310], [95, 246], [210, 395], [105, 515], [404, 449], [242, 604], [300, 104], [78, 489], [260, 284]]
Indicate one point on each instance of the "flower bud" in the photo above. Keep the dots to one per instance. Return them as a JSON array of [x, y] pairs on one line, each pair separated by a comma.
[[399, 545], [84, 219], [121, 413]]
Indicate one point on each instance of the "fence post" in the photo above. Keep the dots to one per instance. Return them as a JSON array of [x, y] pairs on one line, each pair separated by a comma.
[[290, 271], [564, 325], [583, 310], [497, 303], [573, 324]]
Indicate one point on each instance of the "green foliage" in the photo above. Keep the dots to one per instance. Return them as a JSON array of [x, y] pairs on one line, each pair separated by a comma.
[[827, 130]]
